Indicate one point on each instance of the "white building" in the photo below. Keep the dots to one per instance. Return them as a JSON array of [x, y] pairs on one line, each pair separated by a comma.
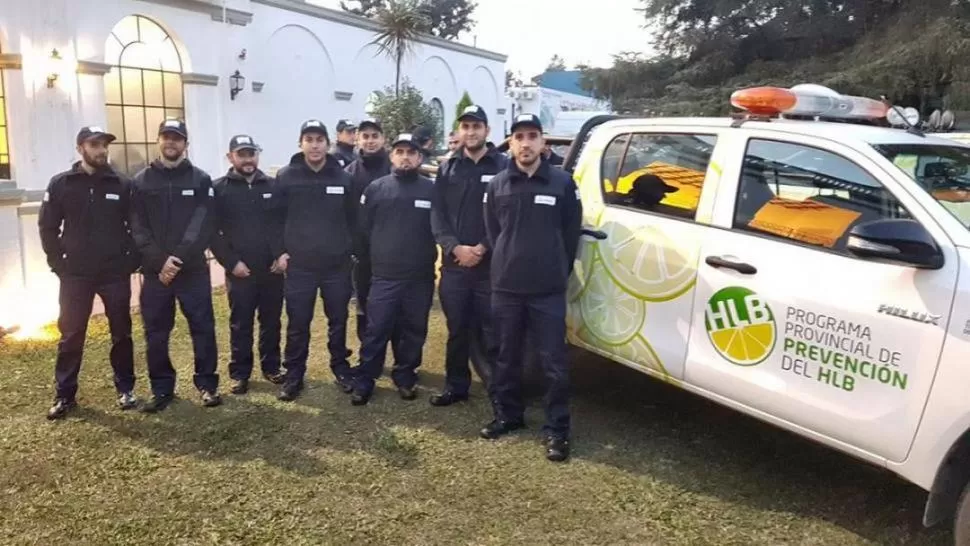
[[559, 101], [128, 64]]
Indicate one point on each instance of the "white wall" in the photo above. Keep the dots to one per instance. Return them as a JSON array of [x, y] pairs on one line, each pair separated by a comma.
[[301, 58], [302, 54]]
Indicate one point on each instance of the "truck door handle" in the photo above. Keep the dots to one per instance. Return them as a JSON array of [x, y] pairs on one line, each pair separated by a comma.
[[740, 267], [594, 233]]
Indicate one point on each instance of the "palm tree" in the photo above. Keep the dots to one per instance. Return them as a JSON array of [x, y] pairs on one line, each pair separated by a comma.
[[401, 23]]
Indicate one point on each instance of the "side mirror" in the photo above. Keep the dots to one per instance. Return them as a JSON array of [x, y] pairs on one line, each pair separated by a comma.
[[895, 241]]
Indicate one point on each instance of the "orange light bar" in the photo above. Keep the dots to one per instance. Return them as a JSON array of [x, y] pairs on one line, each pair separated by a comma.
[[764, 101]]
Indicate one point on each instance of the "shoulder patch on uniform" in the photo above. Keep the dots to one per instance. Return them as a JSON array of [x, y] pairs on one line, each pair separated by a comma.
[[212, 192], [47, 196], [485, 197], [578, 195], [363, 199]]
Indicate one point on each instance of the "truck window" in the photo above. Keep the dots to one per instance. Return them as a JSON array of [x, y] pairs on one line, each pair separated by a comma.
[[943, 171], [657, 172], [806, 194]]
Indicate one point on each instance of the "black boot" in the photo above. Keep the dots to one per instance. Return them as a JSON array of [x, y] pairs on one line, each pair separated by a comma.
[[60, 408], [447, 398]]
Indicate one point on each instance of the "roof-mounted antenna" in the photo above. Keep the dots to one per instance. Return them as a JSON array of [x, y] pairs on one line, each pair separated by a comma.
[[910, 128]]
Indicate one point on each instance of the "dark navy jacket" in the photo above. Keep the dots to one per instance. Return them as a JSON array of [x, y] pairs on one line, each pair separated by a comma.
[[172, 215], [320, 214], [249, 222], [533, 226], [396, 226], [83, 223], [457, 213]]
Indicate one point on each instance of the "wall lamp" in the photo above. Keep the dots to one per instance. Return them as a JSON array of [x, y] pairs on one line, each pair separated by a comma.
[[237, 82], [56, 62]]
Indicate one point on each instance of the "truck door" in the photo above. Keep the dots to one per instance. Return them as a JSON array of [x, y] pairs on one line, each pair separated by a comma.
[[788, 323], [631, 295]]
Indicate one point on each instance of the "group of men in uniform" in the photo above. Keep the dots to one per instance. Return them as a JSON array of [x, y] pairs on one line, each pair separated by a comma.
[[355, 218]]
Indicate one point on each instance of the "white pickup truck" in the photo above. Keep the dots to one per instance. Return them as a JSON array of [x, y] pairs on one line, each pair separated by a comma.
[[815, 275]]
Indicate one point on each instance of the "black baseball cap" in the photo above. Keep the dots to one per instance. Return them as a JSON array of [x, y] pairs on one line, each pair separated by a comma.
[[243, 142], [176, 126], [94, 132], [346, 125], [373, 123], [314, 126], [422, 135], [530, 120], [474, 113], [407, 139]]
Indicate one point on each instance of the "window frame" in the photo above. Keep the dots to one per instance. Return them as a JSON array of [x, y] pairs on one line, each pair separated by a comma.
[[630, 135], [5, 129], [787, 240], [117, 71]]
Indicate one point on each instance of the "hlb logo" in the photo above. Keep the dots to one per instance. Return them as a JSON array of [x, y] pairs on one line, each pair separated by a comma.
[[740, 325]]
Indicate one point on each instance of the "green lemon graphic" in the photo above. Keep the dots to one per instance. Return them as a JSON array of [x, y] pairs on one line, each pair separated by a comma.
[[611, 314]]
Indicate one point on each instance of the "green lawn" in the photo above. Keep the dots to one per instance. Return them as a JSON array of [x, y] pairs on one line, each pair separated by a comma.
[[651, 466]]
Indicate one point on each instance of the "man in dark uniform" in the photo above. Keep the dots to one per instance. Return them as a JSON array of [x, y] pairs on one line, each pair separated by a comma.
[[533, 218], [85, 235], [459, 228], [396, 226], [345, 149], [318, 242], [172, 220], [248, 242], [373, 163], [425, 139], [550, 155]]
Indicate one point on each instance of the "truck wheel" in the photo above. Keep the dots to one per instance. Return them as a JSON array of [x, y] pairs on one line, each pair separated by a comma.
[[961, 519]]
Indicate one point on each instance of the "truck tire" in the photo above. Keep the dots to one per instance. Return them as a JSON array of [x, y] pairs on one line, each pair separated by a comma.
[[961, 519]]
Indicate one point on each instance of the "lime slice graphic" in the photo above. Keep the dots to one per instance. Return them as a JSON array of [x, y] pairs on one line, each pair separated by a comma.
[[582, 268], [611, 314], [638, 351], [740, 325], [646, 262]]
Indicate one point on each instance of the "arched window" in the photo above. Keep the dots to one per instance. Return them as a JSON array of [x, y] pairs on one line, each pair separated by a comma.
[[4, 148], [439, 113], [143, 89]]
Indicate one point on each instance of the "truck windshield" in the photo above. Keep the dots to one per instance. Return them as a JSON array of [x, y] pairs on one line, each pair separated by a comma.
[[943, 171]]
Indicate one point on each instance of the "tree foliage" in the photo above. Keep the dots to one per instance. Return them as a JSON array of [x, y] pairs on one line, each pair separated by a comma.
[[400, 111], [465, 102], [442, 18], [909, 50], [400, 24], [556, 63]]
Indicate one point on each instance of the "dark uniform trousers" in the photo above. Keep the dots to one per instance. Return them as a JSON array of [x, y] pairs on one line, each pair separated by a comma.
[[335, 288], [362, 282], [76, 301], [262, 294], [542, 320], [193, 291], [402, 305], [465, 296]]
